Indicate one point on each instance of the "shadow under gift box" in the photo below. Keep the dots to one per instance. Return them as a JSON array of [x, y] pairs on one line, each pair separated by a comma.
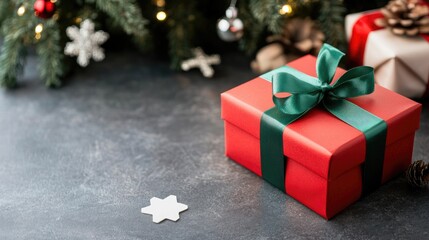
[[323, 154]]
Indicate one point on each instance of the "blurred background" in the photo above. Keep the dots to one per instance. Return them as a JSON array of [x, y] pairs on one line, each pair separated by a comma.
[[278, 30]]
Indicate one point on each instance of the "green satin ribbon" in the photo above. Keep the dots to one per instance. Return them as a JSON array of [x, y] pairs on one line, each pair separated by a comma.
[[307, 92]]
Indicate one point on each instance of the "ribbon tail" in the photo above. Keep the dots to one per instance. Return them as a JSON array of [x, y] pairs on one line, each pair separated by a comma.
[[375, 131]]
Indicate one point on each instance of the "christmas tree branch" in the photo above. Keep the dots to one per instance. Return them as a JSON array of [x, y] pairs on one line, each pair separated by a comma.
[[11, 61], [51, 55], [15, 30], [181, 33], [179, 44], [5, 9], [127, 14], [267, 12], [331, 19], [252, 36]]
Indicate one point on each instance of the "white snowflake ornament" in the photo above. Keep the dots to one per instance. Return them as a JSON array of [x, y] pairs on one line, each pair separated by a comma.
[[167, 208], [85, 43]]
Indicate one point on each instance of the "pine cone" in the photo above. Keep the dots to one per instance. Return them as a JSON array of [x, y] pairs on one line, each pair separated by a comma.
[[417, 174], [405, 17]]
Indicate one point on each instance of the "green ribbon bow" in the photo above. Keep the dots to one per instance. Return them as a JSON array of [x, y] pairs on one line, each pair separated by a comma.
[[308, 92]]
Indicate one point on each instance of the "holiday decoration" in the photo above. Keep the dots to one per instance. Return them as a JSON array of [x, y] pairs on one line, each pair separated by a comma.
[[202, 61], [161, 15], [325, 144], [417, 174], [401, 63], [22, 29], [44, 8], [85, 43], [405, 17], [175, 26], [300, 37], [286, 9], [230, 27], [167, 208]]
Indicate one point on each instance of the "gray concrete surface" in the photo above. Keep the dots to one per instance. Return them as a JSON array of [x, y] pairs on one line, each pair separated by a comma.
[[80, 162]]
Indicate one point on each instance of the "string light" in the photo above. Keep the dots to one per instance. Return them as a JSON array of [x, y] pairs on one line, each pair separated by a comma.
[[21, 10], [160, 3], [161, 16], [78, 20], [38, 30], [286, 9]]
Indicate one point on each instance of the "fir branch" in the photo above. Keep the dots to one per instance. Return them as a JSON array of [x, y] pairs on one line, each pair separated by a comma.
[[253, 32], [15, 30], [181, 33], [5, 9], [49, 51], [266, 12], [127, 14], [179, 44], [11, 60], [331, 19]]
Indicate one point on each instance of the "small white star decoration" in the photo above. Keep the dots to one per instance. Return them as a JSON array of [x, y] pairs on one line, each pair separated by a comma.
[[85, 43], [167, 208], [202, 61]]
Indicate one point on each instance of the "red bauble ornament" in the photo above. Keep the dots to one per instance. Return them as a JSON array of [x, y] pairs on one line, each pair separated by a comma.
[[44, 8]]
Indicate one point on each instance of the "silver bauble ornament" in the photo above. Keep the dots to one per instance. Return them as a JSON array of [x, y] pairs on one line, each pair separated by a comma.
[[230, 27]]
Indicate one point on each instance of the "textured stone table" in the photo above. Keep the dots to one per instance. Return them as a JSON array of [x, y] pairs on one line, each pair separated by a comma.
[[80, 162]]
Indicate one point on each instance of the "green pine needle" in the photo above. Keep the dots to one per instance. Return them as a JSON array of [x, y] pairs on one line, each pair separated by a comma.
[[181, 33], [331, 19], [50, 54], [267, 12], [253, 30], [11, 61], [127, 14], [15, 30]]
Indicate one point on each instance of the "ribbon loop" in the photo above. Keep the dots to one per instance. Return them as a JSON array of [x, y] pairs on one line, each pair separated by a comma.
[[327, 63], [355, 82]]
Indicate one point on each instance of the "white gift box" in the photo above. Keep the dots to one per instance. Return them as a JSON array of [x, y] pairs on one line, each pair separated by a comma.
[[401, 63]]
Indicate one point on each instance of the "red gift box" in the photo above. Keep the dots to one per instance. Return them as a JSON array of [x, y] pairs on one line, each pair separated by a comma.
[[324, 154]]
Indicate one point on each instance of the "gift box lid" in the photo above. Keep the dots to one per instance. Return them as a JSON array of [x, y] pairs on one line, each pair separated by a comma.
[[319, 141]]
